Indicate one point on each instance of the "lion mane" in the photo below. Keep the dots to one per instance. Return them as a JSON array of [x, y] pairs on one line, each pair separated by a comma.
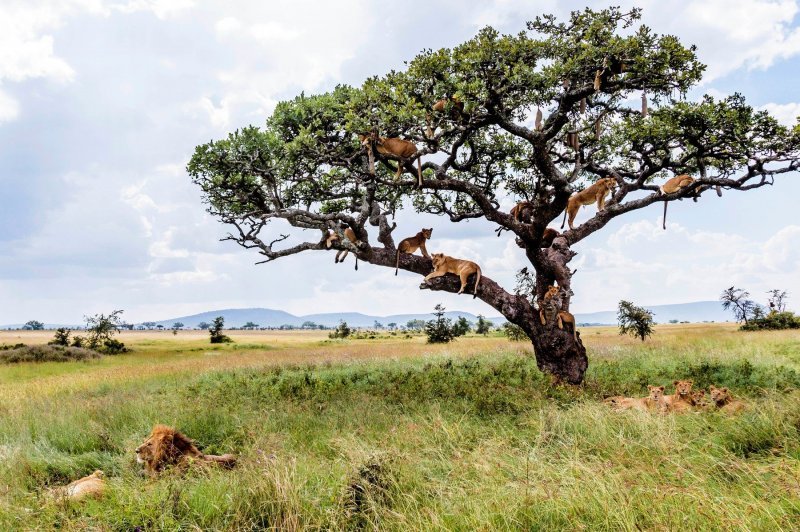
[[167, 447]]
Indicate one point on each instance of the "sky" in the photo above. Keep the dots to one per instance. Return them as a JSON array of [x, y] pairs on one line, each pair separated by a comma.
[[102, 104]]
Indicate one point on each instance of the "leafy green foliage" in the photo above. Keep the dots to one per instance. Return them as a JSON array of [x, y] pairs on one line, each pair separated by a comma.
[[342, 331], [514, 332], [215, 331], [61, 337], [483, 326], [773, 321], [633, 320], [100, 330], [461, 327], [440, 329], [33, 325]]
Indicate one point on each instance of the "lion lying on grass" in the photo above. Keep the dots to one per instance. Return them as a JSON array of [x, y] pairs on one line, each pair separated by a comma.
[[89, 486], [168, 447]]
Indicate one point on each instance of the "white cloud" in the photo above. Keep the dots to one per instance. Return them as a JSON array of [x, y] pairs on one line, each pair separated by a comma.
[[27, 47], [743, 33], [162, 9], [9, 108], [786, 113], [642, 262]]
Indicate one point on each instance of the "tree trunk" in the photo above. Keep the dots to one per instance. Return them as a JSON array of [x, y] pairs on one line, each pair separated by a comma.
[[557, 351]]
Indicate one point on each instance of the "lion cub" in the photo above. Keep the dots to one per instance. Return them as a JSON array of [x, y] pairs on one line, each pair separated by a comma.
[[442, 265], [682, 400], [722, 399]]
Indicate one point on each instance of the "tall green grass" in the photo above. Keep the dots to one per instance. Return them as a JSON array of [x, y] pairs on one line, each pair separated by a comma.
[[423, 444]]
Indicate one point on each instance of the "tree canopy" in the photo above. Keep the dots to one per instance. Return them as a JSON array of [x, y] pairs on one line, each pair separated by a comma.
[[307, 169]]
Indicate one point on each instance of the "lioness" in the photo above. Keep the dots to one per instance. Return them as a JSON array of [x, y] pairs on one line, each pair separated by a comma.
[[722, 399], [442, 265], [682, 400], [89, 486], [653, 401]]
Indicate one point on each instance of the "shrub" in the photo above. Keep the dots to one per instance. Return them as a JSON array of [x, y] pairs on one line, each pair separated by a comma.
[[45, 353], [514, 332], [215, 331], [102, 328], [61, 337], [483, 326], [773, 321], [461, 326], [440, 329], [113, 347], [342, 331]]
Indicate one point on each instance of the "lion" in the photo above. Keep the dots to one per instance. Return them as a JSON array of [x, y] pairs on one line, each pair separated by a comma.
[[442, 265], [653, 401], [595, 193], [89, 486], [682, 400], [722, 399], [699, 399], [168, 447]]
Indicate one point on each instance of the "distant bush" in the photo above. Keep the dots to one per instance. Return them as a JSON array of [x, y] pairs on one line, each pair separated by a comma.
[[514, 332], [61, 337], [44, 353], [773, 321], [215, 331], [113, 347], [439, 330], [342, 331], [101, 328]]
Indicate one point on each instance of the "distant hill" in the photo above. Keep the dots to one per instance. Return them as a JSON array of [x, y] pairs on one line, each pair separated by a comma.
[[692, 312], [699, 311], [275, 318]]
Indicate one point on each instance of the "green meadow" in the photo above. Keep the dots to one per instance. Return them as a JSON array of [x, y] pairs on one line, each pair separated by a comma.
[[393, 434]]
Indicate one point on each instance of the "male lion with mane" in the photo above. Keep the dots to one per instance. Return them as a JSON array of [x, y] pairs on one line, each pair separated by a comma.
[[168, 447]]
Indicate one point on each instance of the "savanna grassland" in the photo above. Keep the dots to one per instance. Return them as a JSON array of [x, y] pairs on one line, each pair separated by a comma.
[[392, 433]]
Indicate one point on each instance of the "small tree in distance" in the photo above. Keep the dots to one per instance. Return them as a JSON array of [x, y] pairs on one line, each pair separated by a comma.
[[203, 325], [250, 326], [61, 337], [483, 326], [415, 325], [177, 326], [736, 300], [101, 328], [34, 325], [216, 331], [514, 332], [440, 329], [461, 326], [633, 320], [777, 300], [342, 331]]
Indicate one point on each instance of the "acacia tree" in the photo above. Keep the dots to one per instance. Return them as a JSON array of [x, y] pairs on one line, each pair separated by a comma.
[[306, 169]]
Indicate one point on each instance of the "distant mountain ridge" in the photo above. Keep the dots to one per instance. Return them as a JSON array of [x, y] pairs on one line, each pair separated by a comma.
[[698, 311], [693, 312]]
